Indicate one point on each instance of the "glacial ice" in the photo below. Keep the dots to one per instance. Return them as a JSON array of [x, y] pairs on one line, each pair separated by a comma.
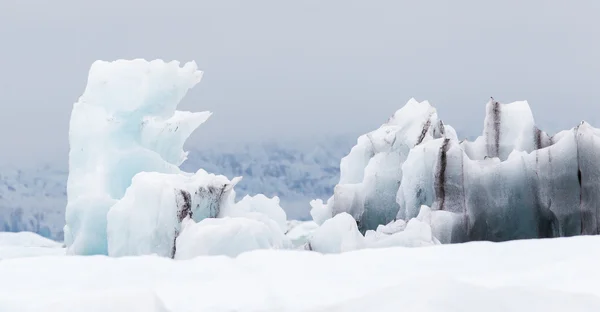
[[338, 234], [124, 123], [147, 220], [513, 182], [341, 234], [371, 173], [126, 193], [409, 183]]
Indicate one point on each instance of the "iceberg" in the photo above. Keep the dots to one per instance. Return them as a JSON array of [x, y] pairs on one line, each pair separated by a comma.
[[126, 193], [513, 182], [371, 173], [409, 183], [124, 123]]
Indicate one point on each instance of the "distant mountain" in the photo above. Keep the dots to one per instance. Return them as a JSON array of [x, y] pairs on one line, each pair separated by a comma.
[[34, 199]]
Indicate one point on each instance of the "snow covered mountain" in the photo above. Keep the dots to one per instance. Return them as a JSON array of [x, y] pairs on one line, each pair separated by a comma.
[[34, 199]]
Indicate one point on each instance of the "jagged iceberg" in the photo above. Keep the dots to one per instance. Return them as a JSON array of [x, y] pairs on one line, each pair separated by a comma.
[[513, 182], [126, 193]]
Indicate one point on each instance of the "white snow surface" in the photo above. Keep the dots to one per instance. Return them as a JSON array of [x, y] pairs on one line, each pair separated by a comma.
[[26, 239], [527, 275], [27, 244]]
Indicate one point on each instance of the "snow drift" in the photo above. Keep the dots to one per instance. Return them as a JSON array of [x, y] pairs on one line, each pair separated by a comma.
[[528, 275]]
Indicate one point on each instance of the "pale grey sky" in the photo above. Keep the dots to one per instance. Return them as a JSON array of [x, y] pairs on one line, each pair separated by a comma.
[[302, 68]]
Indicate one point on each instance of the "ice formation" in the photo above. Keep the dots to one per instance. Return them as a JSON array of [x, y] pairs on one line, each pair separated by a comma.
[[124, 123], [148, 218], [409, 183], [229, 236], [370, 174], [126, 193], [513, 182]]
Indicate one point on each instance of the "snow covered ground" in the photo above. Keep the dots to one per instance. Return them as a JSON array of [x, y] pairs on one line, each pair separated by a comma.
[[528, 275], [27, 244]]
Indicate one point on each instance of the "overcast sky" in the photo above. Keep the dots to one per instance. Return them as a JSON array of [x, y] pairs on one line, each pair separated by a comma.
[[302, 68]]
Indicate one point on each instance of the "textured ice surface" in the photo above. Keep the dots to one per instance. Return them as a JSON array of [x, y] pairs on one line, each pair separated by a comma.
[[513, 182], [528, 275], [147, 220], [370, 174]]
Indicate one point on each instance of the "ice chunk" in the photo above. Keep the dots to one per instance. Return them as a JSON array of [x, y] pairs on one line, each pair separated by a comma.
[[228, 236], [124, 123], [148, 218], [260, 204], [300, 233], [416, 234], [371, 173], [445, 226], [320, 212], [392, 227], [337, 234], [507, 127]]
